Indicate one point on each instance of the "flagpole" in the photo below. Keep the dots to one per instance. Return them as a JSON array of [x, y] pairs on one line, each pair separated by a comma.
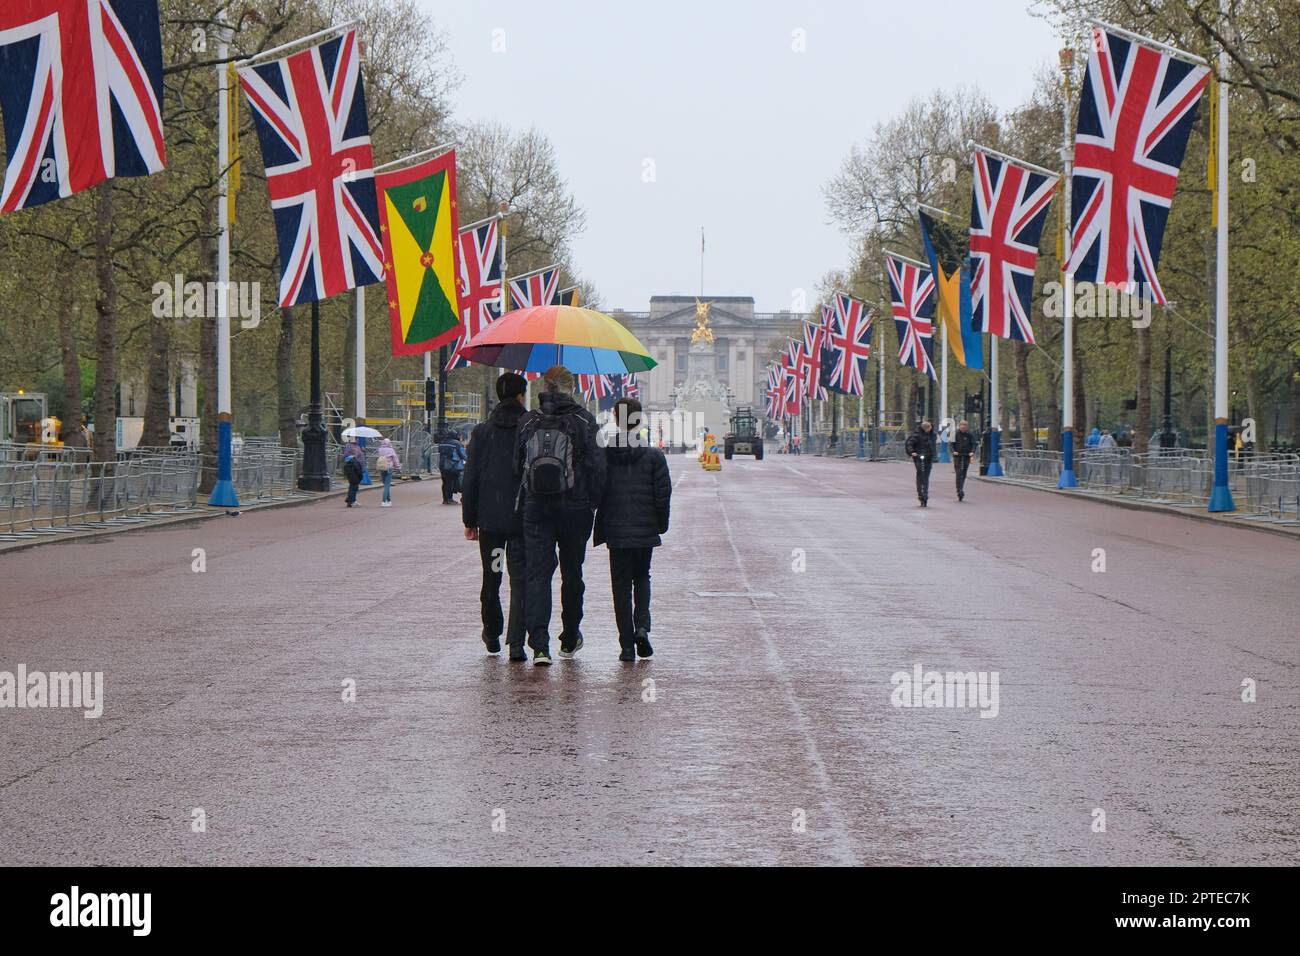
[[1067, 480], [995, 413], [944, 456], [1221, 495], [360, 416], [223, 492]]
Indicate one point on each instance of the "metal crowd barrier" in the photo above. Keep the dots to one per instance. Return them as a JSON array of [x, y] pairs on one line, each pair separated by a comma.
[[60, 495], [1265, 486]]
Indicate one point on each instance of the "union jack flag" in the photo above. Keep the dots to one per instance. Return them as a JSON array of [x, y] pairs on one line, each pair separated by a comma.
[[814, 337], [1136, 111], [1006, 221], [911, 293], [793, 366], [536, 288], [479, 289], [595, 387], [310, 113], [80, 89], [620, 386], [775, 391], [849, 345]]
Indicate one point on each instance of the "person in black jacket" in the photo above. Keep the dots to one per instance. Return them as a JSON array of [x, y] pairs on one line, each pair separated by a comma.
[[632, 516], [489, 494], [920, 445], [963, 449], [558, 520]]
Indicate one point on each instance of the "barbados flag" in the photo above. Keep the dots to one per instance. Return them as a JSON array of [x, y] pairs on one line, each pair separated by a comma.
[[948, 254], [420, 225]]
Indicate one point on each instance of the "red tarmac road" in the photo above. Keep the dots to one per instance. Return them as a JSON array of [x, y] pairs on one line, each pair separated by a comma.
[[787, 594]]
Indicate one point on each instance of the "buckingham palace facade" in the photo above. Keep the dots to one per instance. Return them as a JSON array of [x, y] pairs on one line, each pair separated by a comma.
[[743, 341]]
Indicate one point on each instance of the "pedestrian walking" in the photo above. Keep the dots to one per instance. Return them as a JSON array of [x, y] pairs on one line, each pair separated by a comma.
[[388, 465], [1093, 439], [633, 514], [354, 468], [1107, 440], [488, 500], [920, 445], [562, 476], [963, 449], [451, 465]]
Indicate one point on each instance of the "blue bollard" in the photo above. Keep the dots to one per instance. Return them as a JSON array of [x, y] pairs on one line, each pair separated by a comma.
[[1221, 495], [365, 469], [862, 444], [223, 492], [1067, 461], [995, 459]]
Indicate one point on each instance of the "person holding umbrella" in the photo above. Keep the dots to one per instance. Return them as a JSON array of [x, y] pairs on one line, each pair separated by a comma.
[[562, 477]]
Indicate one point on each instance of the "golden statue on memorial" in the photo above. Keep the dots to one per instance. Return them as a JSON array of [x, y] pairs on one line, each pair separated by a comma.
[[702, 331]]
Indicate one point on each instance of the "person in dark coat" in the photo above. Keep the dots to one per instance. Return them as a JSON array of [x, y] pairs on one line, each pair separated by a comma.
[[560, 520], [632, 516], [920, 445], [354, 469], [451, 465], [963, 449], [488, 498]]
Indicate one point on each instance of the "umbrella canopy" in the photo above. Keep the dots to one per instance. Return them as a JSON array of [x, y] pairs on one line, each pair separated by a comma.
[[362, 431], [582, 340]]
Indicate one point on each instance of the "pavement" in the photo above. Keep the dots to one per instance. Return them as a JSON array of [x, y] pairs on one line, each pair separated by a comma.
[[791, 599]]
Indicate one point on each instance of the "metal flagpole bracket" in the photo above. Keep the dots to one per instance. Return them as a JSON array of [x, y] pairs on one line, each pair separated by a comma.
[[936, 210], [1148, 42], [410, 160], [977, 148], [309, 40], [902, 258]]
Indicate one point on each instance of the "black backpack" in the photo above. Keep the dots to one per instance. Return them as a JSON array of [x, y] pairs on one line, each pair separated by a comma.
[[550, 453]]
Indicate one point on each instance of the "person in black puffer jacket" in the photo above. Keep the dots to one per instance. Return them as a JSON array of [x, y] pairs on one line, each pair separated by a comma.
[[963, 448], [632, 516], [920, 445], [487, 502]]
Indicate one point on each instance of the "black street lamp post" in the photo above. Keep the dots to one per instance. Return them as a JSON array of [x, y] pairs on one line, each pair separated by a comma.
[[314, 476]]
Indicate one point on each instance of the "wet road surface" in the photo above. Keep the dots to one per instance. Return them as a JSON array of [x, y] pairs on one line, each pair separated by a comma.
[[787, 595]]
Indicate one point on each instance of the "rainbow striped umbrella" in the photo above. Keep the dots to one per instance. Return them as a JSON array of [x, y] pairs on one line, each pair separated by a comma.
[[582, 340]]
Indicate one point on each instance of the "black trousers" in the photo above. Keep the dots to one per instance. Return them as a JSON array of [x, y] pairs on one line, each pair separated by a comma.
[[502, 552], [450, 484], [923, 466], [629, 575], [961, 463], [550, 527]]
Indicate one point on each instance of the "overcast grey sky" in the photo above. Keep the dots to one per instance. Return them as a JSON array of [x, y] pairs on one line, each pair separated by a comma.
[[741, 128]]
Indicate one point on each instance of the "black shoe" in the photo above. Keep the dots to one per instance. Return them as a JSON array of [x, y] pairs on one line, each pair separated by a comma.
[[643, 648], [627, 654], [517, 653], [541, 658], [493, 643], [570, 646], [961, 496]]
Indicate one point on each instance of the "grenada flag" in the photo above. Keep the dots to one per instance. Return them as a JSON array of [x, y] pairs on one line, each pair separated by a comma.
[[419, 224]]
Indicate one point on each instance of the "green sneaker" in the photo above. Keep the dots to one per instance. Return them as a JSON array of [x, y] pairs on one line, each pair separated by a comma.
[[541, 658]]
